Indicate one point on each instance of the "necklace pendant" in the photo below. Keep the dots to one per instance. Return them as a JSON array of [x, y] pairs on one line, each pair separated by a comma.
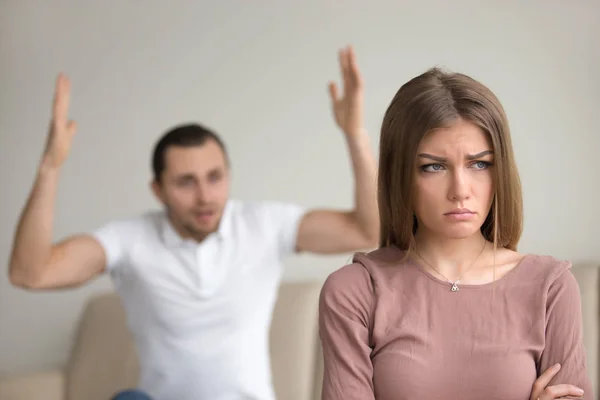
[[455, 287]]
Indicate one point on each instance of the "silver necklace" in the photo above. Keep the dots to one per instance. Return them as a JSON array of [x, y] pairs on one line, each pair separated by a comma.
[[454, 283]]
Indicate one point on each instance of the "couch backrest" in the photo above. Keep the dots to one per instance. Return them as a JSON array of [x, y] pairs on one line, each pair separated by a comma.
[[588, 278], [103, 359]]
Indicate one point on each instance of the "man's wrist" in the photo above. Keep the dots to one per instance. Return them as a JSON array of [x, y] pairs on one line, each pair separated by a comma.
[[47, 167], [357, 136]]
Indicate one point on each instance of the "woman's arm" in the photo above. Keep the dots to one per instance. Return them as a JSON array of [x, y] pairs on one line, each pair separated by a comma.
[[345, 311], [564, 334]]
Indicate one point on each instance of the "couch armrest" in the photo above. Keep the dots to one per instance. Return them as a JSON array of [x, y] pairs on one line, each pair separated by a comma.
[[46, 385]]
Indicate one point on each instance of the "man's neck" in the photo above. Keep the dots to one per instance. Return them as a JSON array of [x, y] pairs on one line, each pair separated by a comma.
[[184, 233]]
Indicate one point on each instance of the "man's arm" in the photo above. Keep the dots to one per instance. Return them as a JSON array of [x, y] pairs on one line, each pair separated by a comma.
[[331, 231], [36, 263]]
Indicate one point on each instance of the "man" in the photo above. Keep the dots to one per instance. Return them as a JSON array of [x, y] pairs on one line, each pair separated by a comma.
[[198, 280]]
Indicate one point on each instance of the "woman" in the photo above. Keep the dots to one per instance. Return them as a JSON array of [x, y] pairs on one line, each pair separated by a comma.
[[447, 308]]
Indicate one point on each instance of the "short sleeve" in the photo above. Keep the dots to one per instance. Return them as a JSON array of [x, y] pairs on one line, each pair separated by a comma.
[[345, 309], [284, 221], [564, 334], [112, 237]]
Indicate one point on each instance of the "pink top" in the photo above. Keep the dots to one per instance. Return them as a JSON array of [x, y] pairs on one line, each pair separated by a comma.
[[392, 331]]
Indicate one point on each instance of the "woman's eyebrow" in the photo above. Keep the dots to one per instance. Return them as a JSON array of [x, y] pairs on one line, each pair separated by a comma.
[[468, 157]]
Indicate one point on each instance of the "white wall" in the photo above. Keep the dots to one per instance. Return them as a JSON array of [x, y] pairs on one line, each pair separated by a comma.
[[257, 73]]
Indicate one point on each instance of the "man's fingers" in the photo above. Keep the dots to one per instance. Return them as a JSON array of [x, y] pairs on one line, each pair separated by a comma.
[[66, 96], [344, 65], [353, 73], [71, 128], [61, 100], [333, 92], [56, 97]]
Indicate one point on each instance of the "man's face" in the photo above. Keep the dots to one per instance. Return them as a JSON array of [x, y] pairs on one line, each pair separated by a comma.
[[194, 187]]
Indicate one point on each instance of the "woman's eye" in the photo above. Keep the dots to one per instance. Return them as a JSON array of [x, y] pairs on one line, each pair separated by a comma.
[[432, 167], [481, 165]]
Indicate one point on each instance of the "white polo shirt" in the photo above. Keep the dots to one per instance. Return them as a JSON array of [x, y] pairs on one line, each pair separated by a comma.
[[200, 313]]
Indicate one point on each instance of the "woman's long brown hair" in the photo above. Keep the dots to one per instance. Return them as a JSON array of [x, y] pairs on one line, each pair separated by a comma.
[[430, 101]]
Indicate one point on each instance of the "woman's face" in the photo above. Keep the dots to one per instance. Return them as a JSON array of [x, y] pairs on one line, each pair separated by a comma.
[[454, 185]]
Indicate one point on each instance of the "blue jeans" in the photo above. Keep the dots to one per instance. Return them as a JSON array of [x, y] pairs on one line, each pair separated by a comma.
[[131, 395]]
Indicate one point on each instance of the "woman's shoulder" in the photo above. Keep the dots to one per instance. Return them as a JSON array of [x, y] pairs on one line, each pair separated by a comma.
[[554, 278], [348, 290], [542, 265], [382, 257], [546, 271], [365, 270]]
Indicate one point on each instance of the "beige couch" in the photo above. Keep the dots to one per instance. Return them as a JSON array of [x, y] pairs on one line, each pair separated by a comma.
[[103, 358]]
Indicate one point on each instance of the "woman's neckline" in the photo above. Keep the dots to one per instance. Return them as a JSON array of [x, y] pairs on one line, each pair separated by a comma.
[[512, 271]]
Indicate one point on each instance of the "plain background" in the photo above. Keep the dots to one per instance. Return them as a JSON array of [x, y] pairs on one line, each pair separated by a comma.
[[257, 72]]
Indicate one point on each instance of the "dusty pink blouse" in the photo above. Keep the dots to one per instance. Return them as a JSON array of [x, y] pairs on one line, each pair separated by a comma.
[[392, 331]]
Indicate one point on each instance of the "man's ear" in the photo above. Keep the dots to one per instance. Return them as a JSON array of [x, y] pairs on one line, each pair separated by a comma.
[[157, 190]]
